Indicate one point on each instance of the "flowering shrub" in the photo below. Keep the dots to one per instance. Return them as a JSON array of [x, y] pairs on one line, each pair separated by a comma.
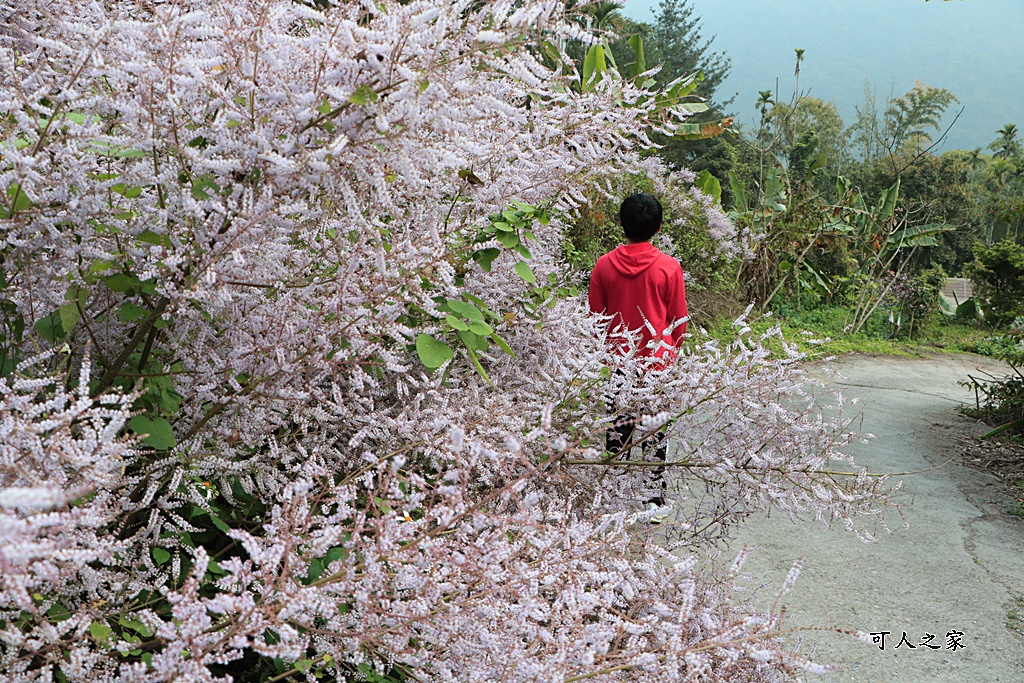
[[913, 298], [293, 386]]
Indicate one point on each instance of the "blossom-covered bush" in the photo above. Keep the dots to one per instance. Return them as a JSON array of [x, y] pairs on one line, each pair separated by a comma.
[[293, 384]]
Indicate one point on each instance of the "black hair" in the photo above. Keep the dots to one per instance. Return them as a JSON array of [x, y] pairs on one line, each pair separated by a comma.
[[640, 215]]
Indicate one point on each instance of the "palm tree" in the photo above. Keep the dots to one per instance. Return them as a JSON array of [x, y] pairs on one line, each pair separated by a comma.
[[1006, 145], [796, 72], [605, 16]]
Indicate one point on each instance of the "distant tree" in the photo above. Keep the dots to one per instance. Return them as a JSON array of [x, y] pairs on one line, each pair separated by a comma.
[[792, 121], [904, 131], [796, 71], [1006, 146], [675, 42], [909, 118], [606, 16]]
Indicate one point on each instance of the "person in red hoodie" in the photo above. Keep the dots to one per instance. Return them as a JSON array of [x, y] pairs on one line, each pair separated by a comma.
[[643, 290]]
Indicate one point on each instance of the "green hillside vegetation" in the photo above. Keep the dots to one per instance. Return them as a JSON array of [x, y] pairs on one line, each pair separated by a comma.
[[854, 226]]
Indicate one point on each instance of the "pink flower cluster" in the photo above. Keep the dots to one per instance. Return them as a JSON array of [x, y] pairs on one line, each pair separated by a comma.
[[247, 212]]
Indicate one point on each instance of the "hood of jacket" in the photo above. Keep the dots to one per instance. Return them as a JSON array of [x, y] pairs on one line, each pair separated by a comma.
[[632, 259]]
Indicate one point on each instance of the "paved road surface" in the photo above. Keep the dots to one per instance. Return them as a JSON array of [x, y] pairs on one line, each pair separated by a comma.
[[958, 567]]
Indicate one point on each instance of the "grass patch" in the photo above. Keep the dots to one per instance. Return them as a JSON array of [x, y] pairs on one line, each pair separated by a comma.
[[820, 332]]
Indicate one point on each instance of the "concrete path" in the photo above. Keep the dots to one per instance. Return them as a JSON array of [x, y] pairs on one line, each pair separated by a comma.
[[959, 566]]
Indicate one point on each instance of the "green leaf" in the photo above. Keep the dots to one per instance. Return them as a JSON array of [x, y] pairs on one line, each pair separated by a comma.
[[69, 316], [432, 353], [470, 177], [470, 340], [214, 568], [701, 131], [129, 312], [159, 434], [503, 226], [503, 344], [315, 571], [593, 66], [135, 625], [888, 202], [160, 556], [709, 185], [99, 631], [58, 612], [485, 257], [150, 237], [466, 310], [456, 323], [334, 554], [507, 239], [50, 328], [108, 150], [200, 187], [639, 64], [363, 94], [524, 271], [481, 328], [220, 524]]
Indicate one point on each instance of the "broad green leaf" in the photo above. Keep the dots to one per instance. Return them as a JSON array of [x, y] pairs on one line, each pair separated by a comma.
[[150, 237], [334, 554], [69, 316], [701, 131], [135, 625], [507, 239], [709, 185], [888, 202], [159, 434], [739, 191], [524, 271], [593, 66], [200, 187], [636, 43], [18, 198], [50, 327], [161, 556], [466, 310], [480, 328], [485, 257], [432, 353], [315, 571], [455, 323], [99, 631], [130, 312], [214, 568], [58, 612]]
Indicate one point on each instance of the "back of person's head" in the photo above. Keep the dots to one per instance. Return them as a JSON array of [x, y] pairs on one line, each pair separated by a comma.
[[640, 215]]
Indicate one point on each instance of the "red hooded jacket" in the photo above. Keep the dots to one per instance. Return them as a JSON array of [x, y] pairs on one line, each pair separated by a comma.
[[639, 284]]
